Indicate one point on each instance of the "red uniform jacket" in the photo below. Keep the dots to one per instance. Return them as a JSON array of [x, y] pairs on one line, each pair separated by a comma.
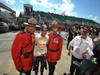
[[23, 43], [54, 48]]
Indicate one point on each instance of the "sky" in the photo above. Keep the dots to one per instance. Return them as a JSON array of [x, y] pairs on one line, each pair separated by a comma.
[[88, 9]]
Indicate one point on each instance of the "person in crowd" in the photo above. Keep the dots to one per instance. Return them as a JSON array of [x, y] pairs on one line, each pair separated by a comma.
[[96, 52], [80, 47], [23, 48], [40, 52], [81, 29], [55, 43], [38, 29], [70, 37], [97, 31]]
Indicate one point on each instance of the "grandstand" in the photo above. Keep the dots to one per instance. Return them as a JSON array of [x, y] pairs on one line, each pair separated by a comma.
[[7, 14], [47, 17], [64, 19]]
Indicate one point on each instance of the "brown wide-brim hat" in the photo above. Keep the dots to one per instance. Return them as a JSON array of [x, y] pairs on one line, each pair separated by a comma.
[[54, 24], [32, 21]]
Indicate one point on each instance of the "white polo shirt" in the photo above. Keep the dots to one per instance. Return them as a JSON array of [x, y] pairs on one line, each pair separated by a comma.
[[79, 45]]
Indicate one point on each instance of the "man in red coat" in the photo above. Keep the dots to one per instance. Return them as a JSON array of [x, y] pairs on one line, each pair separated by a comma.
[[54, 49], [22, 48]]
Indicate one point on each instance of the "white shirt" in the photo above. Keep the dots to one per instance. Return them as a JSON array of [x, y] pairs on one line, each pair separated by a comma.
[[37, 34], [79, 45]]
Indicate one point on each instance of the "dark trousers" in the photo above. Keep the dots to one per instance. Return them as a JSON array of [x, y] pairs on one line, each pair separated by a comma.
[[42, 60], [73, 67], [69, 39], [52, 67], [25, 73]]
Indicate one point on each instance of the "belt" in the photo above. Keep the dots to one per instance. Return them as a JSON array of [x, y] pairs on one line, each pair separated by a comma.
[[53, 50], [27, 52]]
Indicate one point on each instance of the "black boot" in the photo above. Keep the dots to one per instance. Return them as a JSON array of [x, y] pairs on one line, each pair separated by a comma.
[[64, 74], [36, 73], [41, 73]]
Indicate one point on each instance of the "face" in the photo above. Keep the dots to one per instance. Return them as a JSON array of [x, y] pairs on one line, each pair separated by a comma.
[[30, 29], [84, 35], [43, 33], [54, 29]]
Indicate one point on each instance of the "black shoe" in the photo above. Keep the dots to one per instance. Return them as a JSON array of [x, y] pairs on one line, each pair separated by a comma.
[[69, 74], [64, 74]]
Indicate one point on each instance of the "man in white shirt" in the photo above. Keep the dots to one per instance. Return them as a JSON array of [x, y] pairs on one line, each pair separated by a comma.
[[40, 52], [82, 46]]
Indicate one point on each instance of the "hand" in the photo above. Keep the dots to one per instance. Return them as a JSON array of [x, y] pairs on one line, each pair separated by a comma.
[[58, 59], [70, 47], [45, 54], [69, 53], [93, 59], [85, 54], [21, 70]]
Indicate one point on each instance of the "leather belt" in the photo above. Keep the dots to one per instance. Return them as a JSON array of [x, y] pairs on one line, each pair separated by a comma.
[[53, 50]]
